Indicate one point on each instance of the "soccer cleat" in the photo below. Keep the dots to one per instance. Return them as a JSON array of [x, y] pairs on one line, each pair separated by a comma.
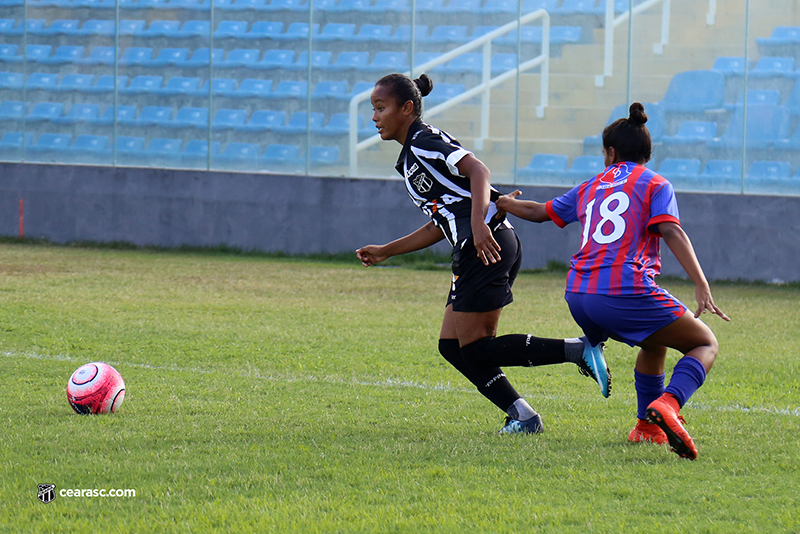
[[664, 412], [594, 366], [531, 426], [644, 431]]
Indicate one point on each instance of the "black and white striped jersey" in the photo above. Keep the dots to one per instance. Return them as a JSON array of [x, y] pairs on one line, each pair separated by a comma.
[[428, 165]]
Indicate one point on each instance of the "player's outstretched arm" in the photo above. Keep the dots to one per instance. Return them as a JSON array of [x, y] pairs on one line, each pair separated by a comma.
[[680, 245], [524, 209], [426, 236]]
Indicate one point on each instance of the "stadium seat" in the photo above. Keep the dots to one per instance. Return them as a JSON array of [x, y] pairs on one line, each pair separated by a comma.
[[163, 151], [11, 145], [280, 155], [462, 7], [731, 66], [142, 85], [201, 58], [99, 55], [8, 53], [767, 67], [756, 96], [190, 117], [105, 84], [276, 59], [503, 62], [677, 170], [319, 60], [337, 32], [58, 26], [544, 167], [192, 28], [49, 146], [290, 89], [45, 111], [130, 150], [339, 124], [287, 5], [692, 132], [300, 122], [160, 28], [402, 34], [500, 7], [76, 82], [97, 28], [79, 113], [580, 7], [264, 29], [170, 56], [789, 145], [64, 54], [238, 156], [529, 6], [220, 86], [228, 119], [695, 91], [330, 89], [195, 154], [124, 113], [444, 91], [239, 58], [136, 56], [766, 124], [42, 81], [723, 175], [583, 168], [231, 29], [351, 7], [11, 80], [379, 33], [88, 149], [131, 27], [444, 34], [245, 5], [297, 31], [784, 41], [150, 116], [359, 88], [388, 62], [13, 110], [36, 52], [263, 120], [468, 63], [253, 88], [323, 155], [349, 61]]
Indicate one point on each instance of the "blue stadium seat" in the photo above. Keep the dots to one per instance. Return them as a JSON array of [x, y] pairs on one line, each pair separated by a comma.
[[245, 5], [264, 29], [300, 121], [469, 63], [191, 5], [430, 6], [757, 96], [105, 84], [297, 31], [180, 86], [49, 146], [131, 27], [160, 28], [239, 58], [402, 34], [768, 67], [276, 59], [142, 84], [150, 116], [163, 151], [228, 119], [544, 167], [584, 167], [444, 91], [37, 52], [462, 7], [731, 66], [231, 29], [349, 61], [351, 7], [195, 154], [500, 7], [379, 33], [336, 31], [96, 4], [784, 41], [444, 34], [695, 91], [330, 89], [503, 62], [580, 7], [385, 61], [421, 58], [45, 111], [201, 58], [238, 156], [76, 82], [320, 59], [679, 170], [359, 88], [723, 175], [11, 145], [287, 5], [7, 27], [97, 28], [766, 124], [130, 150], [692, 132], [79, 113], [99, 55], [389, 7], [193, 28], [339, 124], [11, 80], [42, 81], [253, 88], [170, 56], [8, 53], [190, 117], [281, 155], [220, 86], [13, 110], [789, 145], [323, 155], [124, 113], [58, 26], [64, 54], [136, 56], [769, 170], [290, 89], [263, 120], [88, 149]]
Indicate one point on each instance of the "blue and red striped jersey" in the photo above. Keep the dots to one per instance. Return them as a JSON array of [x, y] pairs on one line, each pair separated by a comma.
[[619, 210]]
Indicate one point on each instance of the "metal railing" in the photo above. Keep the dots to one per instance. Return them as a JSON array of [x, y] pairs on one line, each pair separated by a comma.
[[484, 88], [612, 22]]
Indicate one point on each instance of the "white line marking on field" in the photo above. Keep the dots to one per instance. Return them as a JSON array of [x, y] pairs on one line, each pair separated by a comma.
[[388, 382]]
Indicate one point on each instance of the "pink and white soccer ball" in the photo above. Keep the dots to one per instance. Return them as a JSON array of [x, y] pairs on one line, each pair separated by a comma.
[[95, 388]]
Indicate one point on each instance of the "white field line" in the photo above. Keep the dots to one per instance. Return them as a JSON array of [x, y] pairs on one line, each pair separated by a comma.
[[385, 383]]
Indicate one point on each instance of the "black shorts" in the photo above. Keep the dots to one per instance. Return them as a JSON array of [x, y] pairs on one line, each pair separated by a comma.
[[482, 288]]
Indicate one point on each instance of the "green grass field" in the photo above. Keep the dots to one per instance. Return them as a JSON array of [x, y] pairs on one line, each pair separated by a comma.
[[286, 395]]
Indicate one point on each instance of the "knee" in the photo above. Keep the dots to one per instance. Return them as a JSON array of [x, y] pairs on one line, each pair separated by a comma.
[[475, 352], [450, 350]]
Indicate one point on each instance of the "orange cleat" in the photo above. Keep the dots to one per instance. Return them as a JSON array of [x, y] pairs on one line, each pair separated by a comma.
[[663, 412], [644, 431]]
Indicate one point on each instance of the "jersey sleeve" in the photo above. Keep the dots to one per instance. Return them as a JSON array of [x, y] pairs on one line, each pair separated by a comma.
[[663, 207], [564, 209]]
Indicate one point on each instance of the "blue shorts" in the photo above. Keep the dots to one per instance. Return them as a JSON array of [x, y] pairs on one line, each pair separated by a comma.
[[630, 319]]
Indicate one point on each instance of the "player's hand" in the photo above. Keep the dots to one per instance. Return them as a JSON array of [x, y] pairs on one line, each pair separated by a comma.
[[485, 244], [370, 255], [706, 303], [503, 202]]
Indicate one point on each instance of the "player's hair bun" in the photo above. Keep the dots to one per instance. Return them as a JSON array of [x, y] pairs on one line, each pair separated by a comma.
[[637, 114], [424, 84]]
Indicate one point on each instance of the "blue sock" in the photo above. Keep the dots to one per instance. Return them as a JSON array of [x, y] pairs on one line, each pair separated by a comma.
[[648, 389], [688, 375]]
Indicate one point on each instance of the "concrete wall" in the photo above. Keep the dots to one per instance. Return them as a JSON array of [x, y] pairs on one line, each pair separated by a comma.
[[736, 237]]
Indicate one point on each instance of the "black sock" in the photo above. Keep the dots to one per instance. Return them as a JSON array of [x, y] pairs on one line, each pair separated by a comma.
[[515, 350], [491, 382]]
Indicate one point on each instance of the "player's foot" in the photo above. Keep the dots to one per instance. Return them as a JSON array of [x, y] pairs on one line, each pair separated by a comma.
[[594, 366], [531, 426], [664, 412], [644, 431]]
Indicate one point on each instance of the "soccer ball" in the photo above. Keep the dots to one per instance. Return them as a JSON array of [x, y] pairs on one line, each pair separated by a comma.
[[95, 388]]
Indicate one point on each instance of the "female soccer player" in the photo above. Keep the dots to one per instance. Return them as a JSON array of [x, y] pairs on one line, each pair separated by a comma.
[[452, 187], [611, 291]]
